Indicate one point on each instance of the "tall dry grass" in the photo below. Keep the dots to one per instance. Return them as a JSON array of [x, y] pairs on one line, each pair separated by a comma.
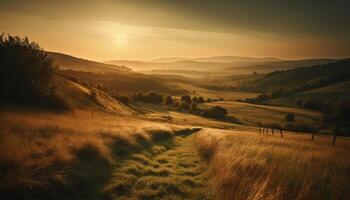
[[246, 165], [43, 152]]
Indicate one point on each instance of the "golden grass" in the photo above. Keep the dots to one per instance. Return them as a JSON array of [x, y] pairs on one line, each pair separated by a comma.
[[38, 149], [246, 165]]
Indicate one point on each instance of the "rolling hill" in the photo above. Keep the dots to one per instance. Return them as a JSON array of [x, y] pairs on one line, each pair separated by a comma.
[[225, 64], [112, 77], [305, 78], [219, 59], [79, 64], [77, 96], [268, 67]]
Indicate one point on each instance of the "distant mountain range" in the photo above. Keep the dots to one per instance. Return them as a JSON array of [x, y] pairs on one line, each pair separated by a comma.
[[229, 64], [219, 59]]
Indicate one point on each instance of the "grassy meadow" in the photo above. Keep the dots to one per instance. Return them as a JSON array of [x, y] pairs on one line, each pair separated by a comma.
[[251, 114], [42, 153], [246, 165]]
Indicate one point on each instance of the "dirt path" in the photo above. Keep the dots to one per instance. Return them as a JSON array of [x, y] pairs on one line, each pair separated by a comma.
[[169, 170]]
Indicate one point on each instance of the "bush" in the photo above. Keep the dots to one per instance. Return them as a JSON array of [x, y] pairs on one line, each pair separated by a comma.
[[200, 100], [154, 98], [151, 97], [184, 105], [169, 100], [290, 117], [186, 98], [25, 70], [217, 112], [195, 99], [123, 99], [276, 93]]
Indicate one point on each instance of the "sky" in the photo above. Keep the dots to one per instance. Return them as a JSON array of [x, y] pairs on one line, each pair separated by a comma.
[[147, 29]]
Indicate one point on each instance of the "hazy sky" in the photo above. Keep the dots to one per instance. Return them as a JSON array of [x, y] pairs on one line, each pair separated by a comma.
[[146, 29]]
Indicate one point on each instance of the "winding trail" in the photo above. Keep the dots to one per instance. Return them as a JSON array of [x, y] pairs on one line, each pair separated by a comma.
[[170, 169]]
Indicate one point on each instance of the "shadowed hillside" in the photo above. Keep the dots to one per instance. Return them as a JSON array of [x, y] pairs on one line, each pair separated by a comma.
[[305, 78]]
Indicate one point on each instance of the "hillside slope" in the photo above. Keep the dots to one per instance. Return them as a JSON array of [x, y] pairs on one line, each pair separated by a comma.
[[79, 64], [305, 78], [79, 97], [112, 77], [268, 67]]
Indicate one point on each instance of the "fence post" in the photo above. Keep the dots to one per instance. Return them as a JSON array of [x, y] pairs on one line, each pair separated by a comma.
[[273, 133], [335, 135], [259, 128], [267, 130], [313, 132], [281, 132]]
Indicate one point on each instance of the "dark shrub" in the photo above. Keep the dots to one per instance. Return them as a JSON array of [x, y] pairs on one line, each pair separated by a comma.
[[184, 105], [123, 99], [186, 98], [151, 97], [154, 98], [276, 93], [139, 97], [290, 117], [169, 100], [25, 70], [200, 100], [195, 99], [215, 112]]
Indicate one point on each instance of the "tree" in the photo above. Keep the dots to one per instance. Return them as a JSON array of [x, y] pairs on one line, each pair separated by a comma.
[[195, 99], [200, 100], [186, 98], [25, 69], [169, 100], [184, 105], [217, 112]]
